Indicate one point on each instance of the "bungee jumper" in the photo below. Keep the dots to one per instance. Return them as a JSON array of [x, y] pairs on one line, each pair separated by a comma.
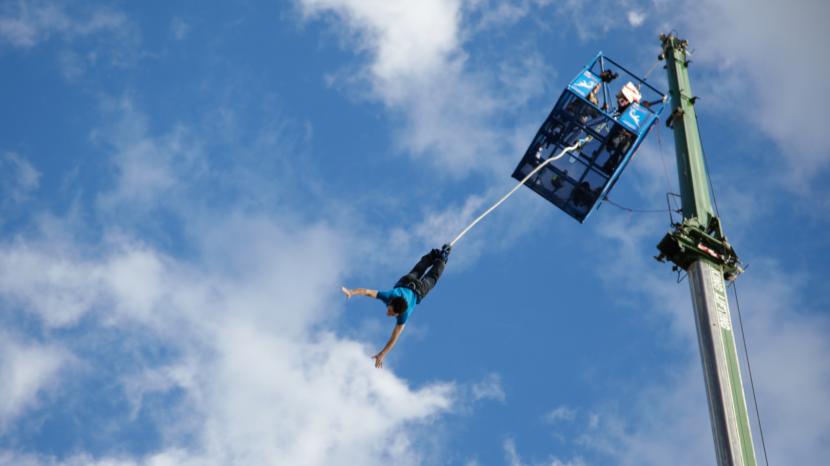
[[406, 293]]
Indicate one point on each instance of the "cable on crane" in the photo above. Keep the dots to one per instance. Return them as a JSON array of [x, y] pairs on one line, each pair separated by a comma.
[[649, 72], [749, 369], [706, 162], [578, 144], [663, 158], [665, 170], [632, 210]]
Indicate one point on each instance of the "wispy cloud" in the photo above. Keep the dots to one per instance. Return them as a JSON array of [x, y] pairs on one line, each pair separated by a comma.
[[513, 458], [20, 177], [27, 23], [113, 38], [179, 28], [26, 369], [563, 412], [489, 389], [147, 168], [636, 18]]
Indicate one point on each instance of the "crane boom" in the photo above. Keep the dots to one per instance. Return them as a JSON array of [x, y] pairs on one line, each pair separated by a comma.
[[699, 247]]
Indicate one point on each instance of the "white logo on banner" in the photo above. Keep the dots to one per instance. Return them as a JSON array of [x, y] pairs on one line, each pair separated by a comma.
[[585, 84], [635, 116]]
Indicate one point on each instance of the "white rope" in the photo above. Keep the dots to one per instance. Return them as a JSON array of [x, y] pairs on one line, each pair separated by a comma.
[[567, 149]]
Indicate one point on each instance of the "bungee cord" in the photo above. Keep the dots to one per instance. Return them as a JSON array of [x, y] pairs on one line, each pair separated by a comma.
[[578, 144]]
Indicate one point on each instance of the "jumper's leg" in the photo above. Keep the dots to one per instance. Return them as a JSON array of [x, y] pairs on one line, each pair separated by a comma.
[[417, 271], [431, 278]]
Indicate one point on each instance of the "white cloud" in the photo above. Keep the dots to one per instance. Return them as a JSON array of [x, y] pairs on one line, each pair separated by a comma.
[[20, 177], [494, 13], [636, 18], [91, 35], [593, 420], [341, 407], [595, 20], [25, 370], [513, 458], [179, 28], [562, 412], [443, 226], [488, 389], [407, 39], [147, 168], [47, 284], [26, 23]]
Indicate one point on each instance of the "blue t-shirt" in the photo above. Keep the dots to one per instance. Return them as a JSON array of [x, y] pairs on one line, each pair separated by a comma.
[[405, 293]]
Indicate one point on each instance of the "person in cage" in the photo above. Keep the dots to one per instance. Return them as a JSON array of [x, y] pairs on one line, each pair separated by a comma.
[[407, 292], [554, 127], [590, 112], [538, 149], [617, 146], [626, 96], [586, 196], [586, 113], [557, 181], [573, 107]]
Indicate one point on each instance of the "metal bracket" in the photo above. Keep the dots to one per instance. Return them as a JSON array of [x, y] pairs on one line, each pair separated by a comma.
[[676, 114], [689, 243]]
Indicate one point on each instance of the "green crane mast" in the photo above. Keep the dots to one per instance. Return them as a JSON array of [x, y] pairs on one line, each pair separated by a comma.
[[698, 246]]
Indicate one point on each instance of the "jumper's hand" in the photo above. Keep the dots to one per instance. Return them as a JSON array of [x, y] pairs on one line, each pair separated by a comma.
[[378, 360], [348, 292]]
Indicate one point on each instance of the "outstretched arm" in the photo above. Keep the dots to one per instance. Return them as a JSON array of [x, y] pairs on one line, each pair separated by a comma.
[[359, 292], [395, 334]]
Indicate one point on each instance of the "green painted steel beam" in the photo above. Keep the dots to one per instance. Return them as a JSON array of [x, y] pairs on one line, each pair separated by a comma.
[[694, 188]]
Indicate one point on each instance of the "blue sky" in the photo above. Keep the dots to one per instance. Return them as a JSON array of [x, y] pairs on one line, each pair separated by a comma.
[[185, 187]]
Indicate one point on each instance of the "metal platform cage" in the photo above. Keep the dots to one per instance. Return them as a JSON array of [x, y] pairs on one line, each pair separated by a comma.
[[578, 182]]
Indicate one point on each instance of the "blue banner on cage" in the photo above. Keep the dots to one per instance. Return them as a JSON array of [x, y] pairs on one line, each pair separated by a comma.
[[634, 117], [584, 84]]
